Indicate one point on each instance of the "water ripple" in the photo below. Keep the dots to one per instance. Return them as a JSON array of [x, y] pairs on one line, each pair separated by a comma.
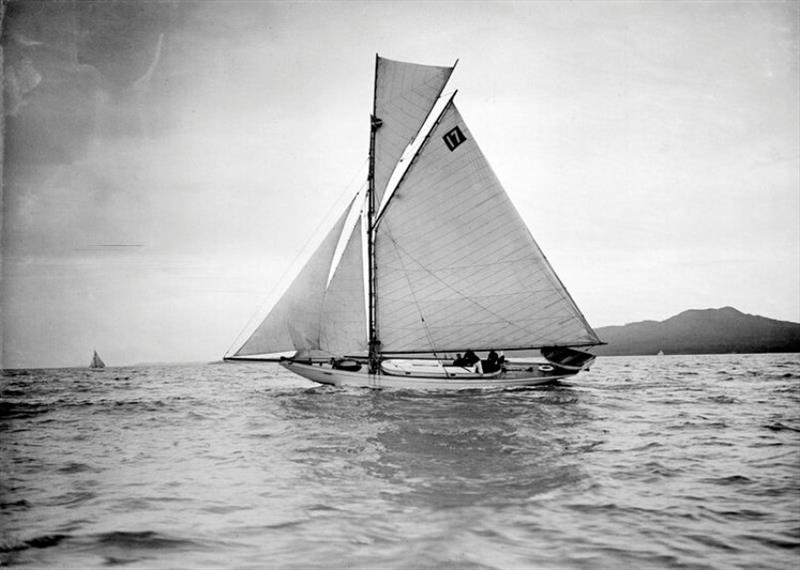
[[685, 462]]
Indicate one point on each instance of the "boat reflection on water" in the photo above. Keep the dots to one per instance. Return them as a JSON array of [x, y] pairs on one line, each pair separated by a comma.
[[442, 450]]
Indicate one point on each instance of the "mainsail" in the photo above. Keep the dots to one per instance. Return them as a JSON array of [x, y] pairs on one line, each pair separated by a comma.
[[457, 267], [405, 94]]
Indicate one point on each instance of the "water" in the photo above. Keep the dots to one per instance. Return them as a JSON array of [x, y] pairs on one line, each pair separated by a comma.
[[675, 461]]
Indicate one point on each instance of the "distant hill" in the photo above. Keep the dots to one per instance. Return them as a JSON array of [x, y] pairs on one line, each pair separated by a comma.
[[708, 331]]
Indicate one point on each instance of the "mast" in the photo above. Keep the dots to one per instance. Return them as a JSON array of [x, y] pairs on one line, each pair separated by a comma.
[[373, 343]]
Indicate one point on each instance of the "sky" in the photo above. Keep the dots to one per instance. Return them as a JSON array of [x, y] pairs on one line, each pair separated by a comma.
[[168, 166]]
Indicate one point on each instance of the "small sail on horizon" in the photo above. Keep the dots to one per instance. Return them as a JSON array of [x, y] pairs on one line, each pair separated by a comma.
[[97, 362]]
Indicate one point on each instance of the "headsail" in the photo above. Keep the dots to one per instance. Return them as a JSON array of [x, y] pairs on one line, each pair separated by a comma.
[[294, 321], [343, 317], [458, 268], [405, 94]]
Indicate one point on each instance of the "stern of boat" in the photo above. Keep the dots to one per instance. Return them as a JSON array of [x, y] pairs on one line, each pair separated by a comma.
[[568, 358]]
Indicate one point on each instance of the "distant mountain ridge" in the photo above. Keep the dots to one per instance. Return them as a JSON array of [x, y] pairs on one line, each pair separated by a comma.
[[701, 331]]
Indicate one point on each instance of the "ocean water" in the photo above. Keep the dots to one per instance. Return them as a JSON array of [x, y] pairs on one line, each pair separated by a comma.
[[644, 462]]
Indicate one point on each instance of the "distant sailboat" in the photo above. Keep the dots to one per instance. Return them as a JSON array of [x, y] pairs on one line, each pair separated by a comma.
[[97, 362], [451, 267]]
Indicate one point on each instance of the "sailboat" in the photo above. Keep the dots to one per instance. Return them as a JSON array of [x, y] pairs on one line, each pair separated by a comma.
[[437, 264], [97, 362]]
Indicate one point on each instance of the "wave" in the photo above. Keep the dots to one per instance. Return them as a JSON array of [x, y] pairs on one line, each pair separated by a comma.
[[21, 410], [778, 426], [43, 541], [146, 540], [75, 467], [21, 505], [235, 467]]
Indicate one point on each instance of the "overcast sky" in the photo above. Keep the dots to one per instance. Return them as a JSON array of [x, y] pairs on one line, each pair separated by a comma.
[[169, 165]]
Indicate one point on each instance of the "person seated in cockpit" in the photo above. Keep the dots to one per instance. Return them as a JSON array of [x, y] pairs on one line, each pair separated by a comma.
[[472, 359], [492, 362]]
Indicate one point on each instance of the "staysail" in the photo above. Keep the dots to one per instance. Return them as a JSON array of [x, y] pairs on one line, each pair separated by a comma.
[[405, 94], [297, 320], [457, 267], [343, 316]]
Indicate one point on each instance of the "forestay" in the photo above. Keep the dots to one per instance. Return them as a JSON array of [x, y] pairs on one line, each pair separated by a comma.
[[457, 267]]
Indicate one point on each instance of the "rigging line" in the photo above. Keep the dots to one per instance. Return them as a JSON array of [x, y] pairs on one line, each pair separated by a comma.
[[279, 281], [459, 293], [414, 295]]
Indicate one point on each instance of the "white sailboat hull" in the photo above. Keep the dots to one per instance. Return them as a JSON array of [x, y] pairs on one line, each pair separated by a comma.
[[326, 374]]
